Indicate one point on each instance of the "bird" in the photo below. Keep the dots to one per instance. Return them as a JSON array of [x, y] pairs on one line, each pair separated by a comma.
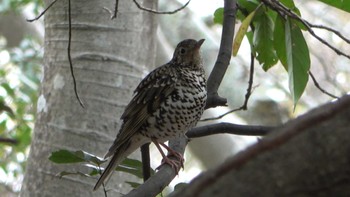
[[167, 103]]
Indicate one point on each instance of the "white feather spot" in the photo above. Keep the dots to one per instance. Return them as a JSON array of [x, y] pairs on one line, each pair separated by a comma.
[[58, 81]]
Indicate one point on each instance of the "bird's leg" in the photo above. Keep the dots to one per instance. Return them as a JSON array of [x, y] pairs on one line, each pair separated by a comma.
[[176, 165]]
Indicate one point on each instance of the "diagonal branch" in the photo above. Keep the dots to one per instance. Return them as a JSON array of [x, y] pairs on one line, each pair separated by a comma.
[[155, 184], [43, 12], [320, 88]]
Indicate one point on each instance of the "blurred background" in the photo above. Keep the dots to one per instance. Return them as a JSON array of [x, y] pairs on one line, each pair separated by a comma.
[[21, 52]]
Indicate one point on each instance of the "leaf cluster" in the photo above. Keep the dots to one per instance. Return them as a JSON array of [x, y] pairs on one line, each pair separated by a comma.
[[275, 37]]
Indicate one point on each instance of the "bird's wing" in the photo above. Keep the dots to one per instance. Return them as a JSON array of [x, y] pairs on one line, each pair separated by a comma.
[[150, 93]]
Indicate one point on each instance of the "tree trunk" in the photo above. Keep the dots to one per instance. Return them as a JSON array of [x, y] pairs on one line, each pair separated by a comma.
[[109, 58]]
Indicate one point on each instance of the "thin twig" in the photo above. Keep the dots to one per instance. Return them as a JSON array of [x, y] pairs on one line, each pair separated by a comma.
[[222, 115], [115, 9], [104, 189], [247, 95], [160, 12], [250, 82], [320, 88], [103, 185], [69, 54], [43, 12], [331, 30], [8, 141]]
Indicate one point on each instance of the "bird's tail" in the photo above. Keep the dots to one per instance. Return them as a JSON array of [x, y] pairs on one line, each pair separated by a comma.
[[117, 158]]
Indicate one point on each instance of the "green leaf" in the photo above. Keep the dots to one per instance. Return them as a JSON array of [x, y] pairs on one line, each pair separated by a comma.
[[66, 156], [132, 166], [340, 4], [132, 163], [279, 41], [263, 41], [242, 31], [248, 5], [298, 59], [219, 16]]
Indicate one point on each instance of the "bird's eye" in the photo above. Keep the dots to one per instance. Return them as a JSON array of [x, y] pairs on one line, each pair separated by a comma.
[[182, 51]]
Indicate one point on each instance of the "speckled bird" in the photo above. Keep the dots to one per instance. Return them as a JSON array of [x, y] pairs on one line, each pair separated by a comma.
[[166, 104]]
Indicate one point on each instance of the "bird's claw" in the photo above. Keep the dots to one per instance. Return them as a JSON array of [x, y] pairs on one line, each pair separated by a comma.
[[176, 164]]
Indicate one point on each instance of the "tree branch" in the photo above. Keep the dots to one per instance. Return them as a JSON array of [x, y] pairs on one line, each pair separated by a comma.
[[286, 133], [224, 55], [229, 128], [163, 177], [8, 141]]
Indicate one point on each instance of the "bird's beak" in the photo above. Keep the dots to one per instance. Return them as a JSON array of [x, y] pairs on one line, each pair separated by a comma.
[[199, 43]]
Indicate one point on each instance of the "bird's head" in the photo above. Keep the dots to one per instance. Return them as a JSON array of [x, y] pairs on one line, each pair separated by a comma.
[[187, 54]]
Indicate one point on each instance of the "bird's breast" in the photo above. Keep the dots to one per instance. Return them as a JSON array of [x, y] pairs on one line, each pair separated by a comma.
[[181, 110]]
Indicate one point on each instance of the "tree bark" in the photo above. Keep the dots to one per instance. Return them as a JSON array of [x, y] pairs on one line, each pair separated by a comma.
[[109, 58], [309, 156]]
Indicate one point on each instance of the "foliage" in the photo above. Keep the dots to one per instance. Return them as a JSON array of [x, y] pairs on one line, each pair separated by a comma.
[[19, 72], [17, 5], [275, 38]]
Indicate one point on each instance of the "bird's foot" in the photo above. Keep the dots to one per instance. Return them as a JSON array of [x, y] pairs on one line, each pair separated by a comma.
[[176, 164], [179, 158]]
